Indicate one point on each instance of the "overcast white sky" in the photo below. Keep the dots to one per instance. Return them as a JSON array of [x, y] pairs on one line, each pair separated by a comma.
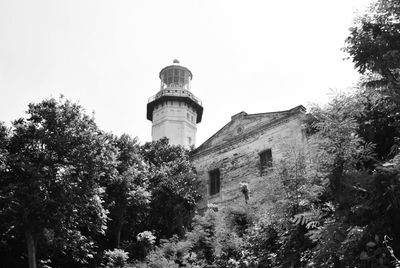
[[252, 56]]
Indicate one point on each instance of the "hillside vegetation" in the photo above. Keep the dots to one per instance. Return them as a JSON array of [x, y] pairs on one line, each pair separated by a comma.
[[72, 195]]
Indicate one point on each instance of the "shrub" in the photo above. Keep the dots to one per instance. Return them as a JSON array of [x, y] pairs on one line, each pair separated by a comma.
[[116, 258], [239, 219]]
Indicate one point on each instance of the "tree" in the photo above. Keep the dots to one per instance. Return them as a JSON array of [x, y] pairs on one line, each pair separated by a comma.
[[50, 189], [374, 46], [127, 190], [337, 139], [378, 122], [173, 185], [3, 145], [361, 206]]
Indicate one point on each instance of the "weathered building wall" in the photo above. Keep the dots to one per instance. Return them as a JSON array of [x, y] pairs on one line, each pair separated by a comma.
[[235, 152]]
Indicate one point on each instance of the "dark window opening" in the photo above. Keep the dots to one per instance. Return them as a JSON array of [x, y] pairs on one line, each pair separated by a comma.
[[215, 181], [265, 161]]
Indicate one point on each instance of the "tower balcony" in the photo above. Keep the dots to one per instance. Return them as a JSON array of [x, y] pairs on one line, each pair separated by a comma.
[[175, 93]]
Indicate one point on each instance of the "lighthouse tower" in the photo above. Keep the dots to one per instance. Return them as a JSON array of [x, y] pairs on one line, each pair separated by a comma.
[[174, 110]]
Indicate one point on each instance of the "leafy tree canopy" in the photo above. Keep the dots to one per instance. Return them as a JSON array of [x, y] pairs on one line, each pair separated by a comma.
[[50, 185], [173, 185], [127, 191], [374, 45]]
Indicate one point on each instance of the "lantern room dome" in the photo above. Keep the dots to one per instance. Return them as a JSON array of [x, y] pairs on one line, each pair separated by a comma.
[[175, 75]]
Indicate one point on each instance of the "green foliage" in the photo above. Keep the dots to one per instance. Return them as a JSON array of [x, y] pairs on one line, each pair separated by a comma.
[[202, 237], [208, 244], [56, 160], [261, 244], [340, 233], [70, 191], [146, 241], [238, 219], [156, 259], [128, 196], [337, 133], [379, 122], [308, 218], [146, 237], [116, 258], [374, 44], [3, 145], [173, 183], [330, 207]]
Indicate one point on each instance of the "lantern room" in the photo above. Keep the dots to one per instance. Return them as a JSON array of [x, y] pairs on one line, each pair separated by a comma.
[[175, 76]]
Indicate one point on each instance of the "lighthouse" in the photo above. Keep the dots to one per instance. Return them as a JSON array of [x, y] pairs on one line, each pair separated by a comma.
[[175, 111]]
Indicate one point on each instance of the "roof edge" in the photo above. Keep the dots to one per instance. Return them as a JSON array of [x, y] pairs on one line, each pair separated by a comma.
[[298, 108]]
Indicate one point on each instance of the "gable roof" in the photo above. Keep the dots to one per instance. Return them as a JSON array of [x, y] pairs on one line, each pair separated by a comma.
[[243, 124]]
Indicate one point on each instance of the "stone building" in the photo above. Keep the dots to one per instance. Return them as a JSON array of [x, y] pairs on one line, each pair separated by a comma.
[[174, 110], [244, 150]]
